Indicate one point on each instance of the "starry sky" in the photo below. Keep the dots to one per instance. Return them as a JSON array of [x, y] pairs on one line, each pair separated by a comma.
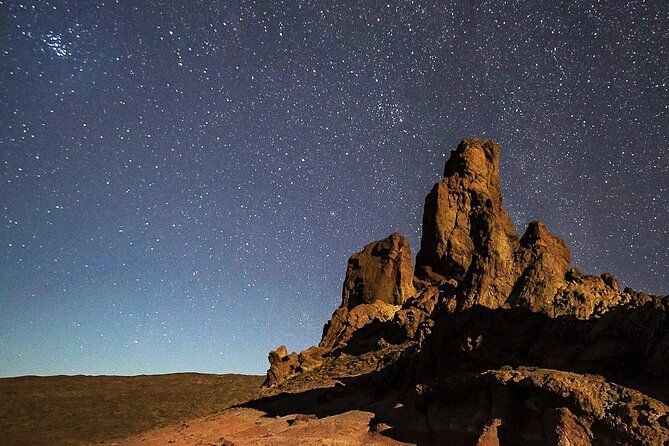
[[182, 182]]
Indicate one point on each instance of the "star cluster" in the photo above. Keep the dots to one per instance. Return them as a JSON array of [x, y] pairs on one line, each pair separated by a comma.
[[182, 182]]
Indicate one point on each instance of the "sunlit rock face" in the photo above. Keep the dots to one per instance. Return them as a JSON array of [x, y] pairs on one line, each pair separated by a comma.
[[467, 234], [469, 241], [383, 271]]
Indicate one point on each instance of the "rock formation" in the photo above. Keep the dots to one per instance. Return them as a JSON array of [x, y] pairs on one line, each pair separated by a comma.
[[497, 339], [382, 271], [378, 280], [281, 366], [467, 235], [468, 239]]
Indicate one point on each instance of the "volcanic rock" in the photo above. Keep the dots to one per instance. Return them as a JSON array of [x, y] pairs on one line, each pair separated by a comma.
[[344, 322], [378, 280], [382, 271], [497, 339], [625, 344], [543, 407], [468, 238], [544, 260], [467, 235], [468, 241], [281, 366]]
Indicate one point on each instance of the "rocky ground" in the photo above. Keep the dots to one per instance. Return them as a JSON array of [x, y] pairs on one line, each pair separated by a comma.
[[248, 427]]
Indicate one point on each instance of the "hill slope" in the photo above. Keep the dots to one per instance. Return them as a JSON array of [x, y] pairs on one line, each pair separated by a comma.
[[74, 410]]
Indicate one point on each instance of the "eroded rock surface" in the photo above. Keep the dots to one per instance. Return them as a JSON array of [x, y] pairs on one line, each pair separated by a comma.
[[497, 339], [281, 366], [378, 281], [467, 235], [542, 407], [382, 271]]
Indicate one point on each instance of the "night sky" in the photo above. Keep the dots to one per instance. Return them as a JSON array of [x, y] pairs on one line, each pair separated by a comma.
[[182, 182]]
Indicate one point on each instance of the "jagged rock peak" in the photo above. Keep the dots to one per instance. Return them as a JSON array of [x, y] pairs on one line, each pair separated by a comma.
[[475, 162], [383, 271], [469, 243], [378, 280], [484, 298], [467, 234]]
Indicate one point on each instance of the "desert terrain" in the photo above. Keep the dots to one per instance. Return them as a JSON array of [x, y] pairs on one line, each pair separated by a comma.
[[77, 410]]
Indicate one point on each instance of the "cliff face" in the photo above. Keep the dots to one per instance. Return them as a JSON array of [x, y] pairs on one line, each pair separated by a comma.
[[485, 304], [382, 271], [467, 234]]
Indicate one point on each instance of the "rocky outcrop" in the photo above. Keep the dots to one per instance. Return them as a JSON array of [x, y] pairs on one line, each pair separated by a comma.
[[467, 235], [281, 366], [468, 241], [378, 280], [382, 271], [625, 344], [468, 238], [531, 406], [509, 343], [344, 322], [541, 261]]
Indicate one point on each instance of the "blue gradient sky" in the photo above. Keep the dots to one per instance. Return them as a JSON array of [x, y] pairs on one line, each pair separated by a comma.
[[181, 183]]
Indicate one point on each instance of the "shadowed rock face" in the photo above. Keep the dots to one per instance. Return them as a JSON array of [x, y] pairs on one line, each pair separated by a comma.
[[484, 304], [531, 406], [626, 344]]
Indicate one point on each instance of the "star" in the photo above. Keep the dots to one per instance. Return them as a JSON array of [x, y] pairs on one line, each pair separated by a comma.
[[195, 176]]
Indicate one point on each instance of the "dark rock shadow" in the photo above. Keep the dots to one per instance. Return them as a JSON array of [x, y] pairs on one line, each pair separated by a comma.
[[624, 346], [376, 392], [368, 338]]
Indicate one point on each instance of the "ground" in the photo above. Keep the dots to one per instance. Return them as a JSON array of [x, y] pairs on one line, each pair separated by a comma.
[[76, 410]]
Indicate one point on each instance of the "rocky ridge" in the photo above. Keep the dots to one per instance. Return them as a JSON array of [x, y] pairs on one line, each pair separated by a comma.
[[495, 337]]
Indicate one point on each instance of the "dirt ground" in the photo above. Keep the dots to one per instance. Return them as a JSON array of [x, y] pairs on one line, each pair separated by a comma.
[[247, 426]]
